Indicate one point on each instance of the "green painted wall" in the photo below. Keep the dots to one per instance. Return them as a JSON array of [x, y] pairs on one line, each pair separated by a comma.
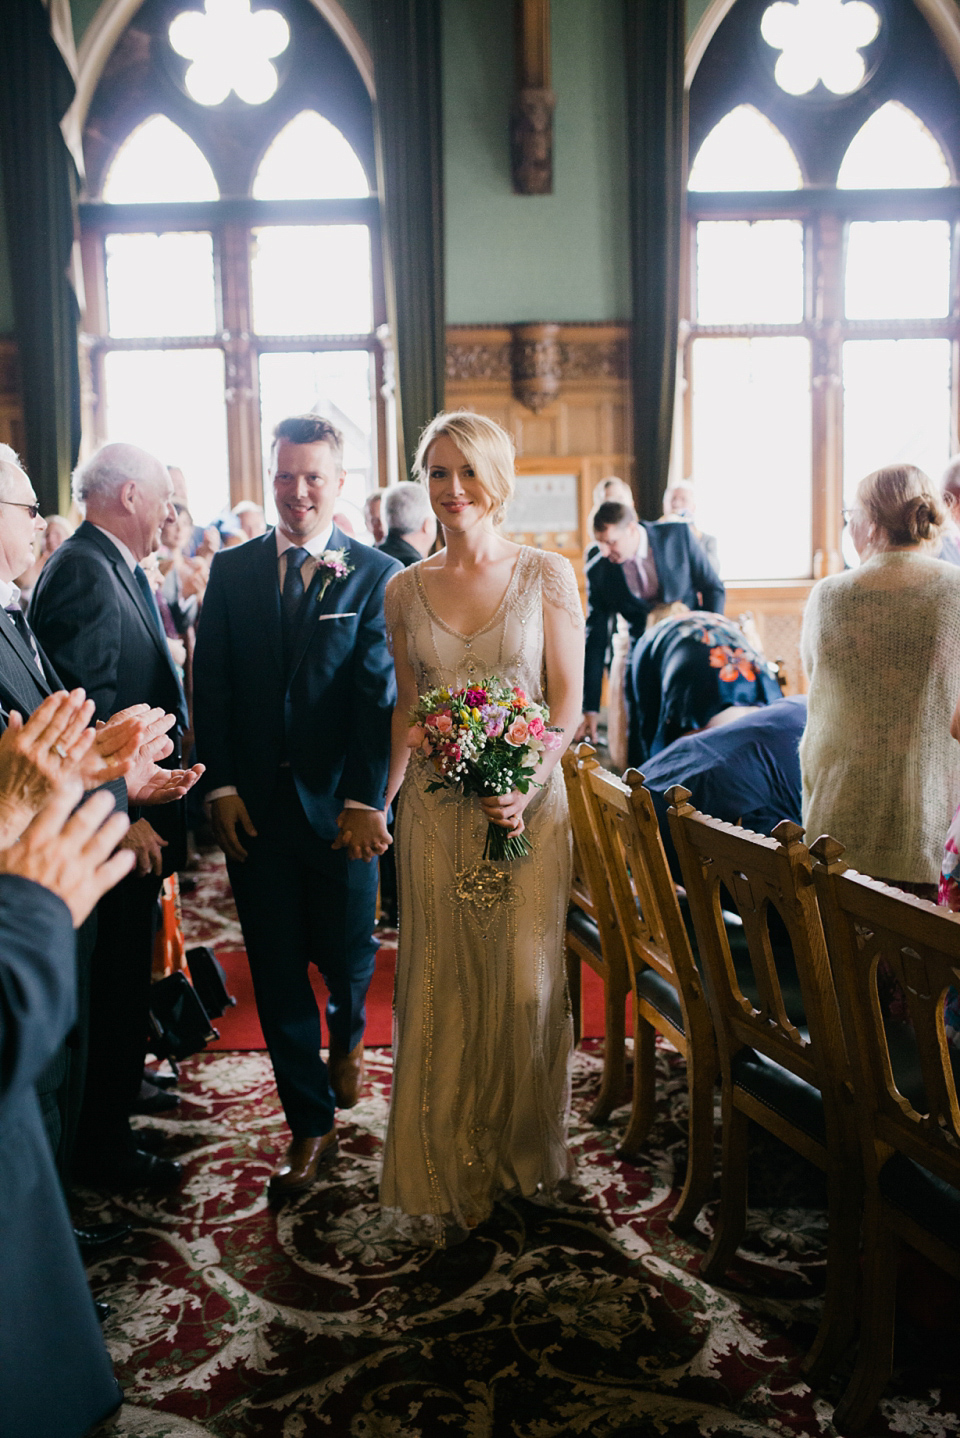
[[521, 257]]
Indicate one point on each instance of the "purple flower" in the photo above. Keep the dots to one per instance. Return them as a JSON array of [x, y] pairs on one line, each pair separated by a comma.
[[476, 698], [494, 717]]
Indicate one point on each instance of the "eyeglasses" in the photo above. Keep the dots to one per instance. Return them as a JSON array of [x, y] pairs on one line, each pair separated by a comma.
[[32, 509]]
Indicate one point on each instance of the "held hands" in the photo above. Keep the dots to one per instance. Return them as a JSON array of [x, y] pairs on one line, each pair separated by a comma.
[[507, 810], [363, 833], [228, 817], [587, 728], [69, 853]]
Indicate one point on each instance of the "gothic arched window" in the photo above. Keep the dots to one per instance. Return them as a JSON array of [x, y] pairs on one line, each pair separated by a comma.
[[823, 317], [231, 243]]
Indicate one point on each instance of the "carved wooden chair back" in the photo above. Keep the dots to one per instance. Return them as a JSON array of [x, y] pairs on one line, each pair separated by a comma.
[[911, 1144], [593, 938], [782, 1065], [668, 995]]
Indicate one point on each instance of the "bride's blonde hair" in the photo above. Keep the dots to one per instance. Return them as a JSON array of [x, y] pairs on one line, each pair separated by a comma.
[[484, 445]]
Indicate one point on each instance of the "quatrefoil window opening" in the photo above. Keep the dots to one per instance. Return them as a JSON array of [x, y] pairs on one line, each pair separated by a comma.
[[820, 40], [231, 48]]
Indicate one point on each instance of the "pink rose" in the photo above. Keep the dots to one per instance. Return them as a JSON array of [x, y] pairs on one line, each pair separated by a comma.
[[551, 739], [517, 733], [536, 726], [443, 723], [415, 736]]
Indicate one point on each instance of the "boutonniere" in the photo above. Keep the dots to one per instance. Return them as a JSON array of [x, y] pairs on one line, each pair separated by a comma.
[[333, 565]]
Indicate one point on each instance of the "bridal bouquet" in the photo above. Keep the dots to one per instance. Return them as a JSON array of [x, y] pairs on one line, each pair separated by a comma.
[[483, 740]]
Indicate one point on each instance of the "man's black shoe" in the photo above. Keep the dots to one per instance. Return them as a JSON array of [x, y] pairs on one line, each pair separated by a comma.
[[133, 1169], [104, 1310], [152, 1099], [92, 1237], [160, 1080]]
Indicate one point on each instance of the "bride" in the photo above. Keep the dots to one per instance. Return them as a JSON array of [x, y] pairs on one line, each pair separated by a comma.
[[483, 1031]]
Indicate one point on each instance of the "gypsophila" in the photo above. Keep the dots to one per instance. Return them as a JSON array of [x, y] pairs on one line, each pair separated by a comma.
[[485, 739]]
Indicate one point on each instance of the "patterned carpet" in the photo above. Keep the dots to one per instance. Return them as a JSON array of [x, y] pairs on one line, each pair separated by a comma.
[[235, 1319]]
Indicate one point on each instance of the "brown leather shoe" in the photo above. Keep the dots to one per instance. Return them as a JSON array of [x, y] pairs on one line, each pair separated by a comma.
[[346, 1074], [304, 1158]]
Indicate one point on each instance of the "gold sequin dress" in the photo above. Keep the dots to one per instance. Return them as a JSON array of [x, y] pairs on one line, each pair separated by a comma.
[[482, 1023]]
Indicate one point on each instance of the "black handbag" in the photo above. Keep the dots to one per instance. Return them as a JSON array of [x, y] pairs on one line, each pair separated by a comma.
[[179, 1023], [209, 981]]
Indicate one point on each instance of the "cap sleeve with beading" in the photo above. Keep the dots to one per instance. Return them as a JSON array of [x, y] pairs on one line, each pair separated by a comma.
[[560, 588], [397, 596]]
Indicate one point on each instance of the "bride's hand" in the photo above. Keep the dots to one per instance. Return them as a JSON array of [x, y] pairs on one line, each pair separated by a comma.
[[507, 810]]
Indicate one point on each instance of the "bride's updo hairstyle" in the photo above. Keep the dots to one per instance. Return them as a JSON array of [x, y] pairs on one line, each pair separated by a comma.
[[902, 505], [484, 445]]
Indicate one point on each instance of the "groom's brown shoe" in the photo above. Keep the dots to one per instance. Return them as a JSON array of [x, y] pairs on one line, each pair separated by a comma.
[[304, 1158], [346, 1074]]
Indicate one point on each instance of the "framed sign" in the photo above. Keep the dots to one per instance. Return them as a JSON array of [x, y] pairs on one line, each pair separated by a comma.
[[545, 504]]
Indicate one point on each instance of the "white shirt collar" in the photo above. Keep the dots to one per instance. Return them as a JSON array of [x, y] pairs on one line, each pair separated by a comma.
[[126, 554], [314, 546], [9, 594]]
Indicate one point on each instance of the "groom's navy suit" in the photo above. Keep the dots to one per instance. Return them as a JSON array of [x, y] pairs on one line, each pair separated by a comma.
[[297, 741]]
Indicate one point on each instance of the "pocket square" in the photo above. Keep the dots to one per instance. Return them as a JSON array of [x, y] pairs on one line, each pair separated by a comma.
[[352, 614]]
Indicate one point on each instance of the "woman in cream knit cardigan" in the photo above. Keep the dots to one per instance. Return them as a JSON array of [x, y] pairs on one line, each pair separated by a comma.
[[881, 648]]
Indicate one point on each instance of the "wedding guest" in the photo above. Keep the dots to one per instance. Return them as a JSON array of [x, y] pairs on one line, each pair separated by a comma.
[[411, 523], [680, 503], [950, 536], [372, 517], [690, 670], [638, 567], [58, 529], [881, 648], [250, 518], [483, 1028]]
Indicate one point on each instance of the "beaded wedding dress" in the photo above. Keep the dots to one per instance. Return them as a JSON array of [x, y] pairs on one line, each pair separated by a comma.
[[482, 1021]]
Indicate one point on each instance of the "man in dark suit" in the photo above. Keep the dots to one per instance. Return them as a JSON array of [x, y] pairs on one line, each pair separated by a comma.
[[55, 1375], [638, 567], [96, 618], [293, 694], [411, 523]]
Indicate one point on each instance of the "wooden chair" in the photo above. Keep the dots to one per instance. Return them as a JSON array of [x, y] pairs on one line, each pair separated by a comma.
[[910, 1144], [668, 996], [593, 938], [787, 1073]]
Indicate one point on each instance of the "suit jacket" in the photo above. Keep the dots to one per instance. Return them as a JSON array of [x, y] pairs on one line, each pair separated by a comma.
[[329, 715], [55, 1376], [99, 632], [684, 574], [397, 547], [24, 688]]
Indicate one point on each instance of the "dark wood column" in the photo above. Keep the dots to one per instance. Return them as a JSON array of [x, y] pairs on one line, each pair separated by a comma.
[[531, 121]]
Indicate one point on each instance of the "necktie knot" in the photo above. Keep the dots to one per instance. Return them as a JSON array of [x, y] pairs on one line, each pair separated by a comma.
[[296, 557]]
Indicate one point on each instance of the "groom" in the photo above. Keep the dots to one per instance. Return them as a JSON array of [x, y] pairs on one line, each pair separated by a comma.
[[293, 693]]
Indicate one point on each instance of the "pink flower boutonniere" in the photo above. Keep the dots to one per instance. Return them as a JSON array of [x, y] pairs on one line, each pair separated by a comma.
[[333, 565]]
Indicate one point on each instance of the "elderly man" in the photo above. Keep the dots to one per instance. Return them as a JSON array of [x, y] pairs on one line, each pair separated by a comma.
[[639, 566], [94, 612], [411, 523]]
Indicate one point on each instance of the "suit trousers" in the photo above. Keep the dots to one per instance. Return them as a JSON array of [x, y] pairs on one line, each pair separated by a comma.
[[301, 902], [120, 974]]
